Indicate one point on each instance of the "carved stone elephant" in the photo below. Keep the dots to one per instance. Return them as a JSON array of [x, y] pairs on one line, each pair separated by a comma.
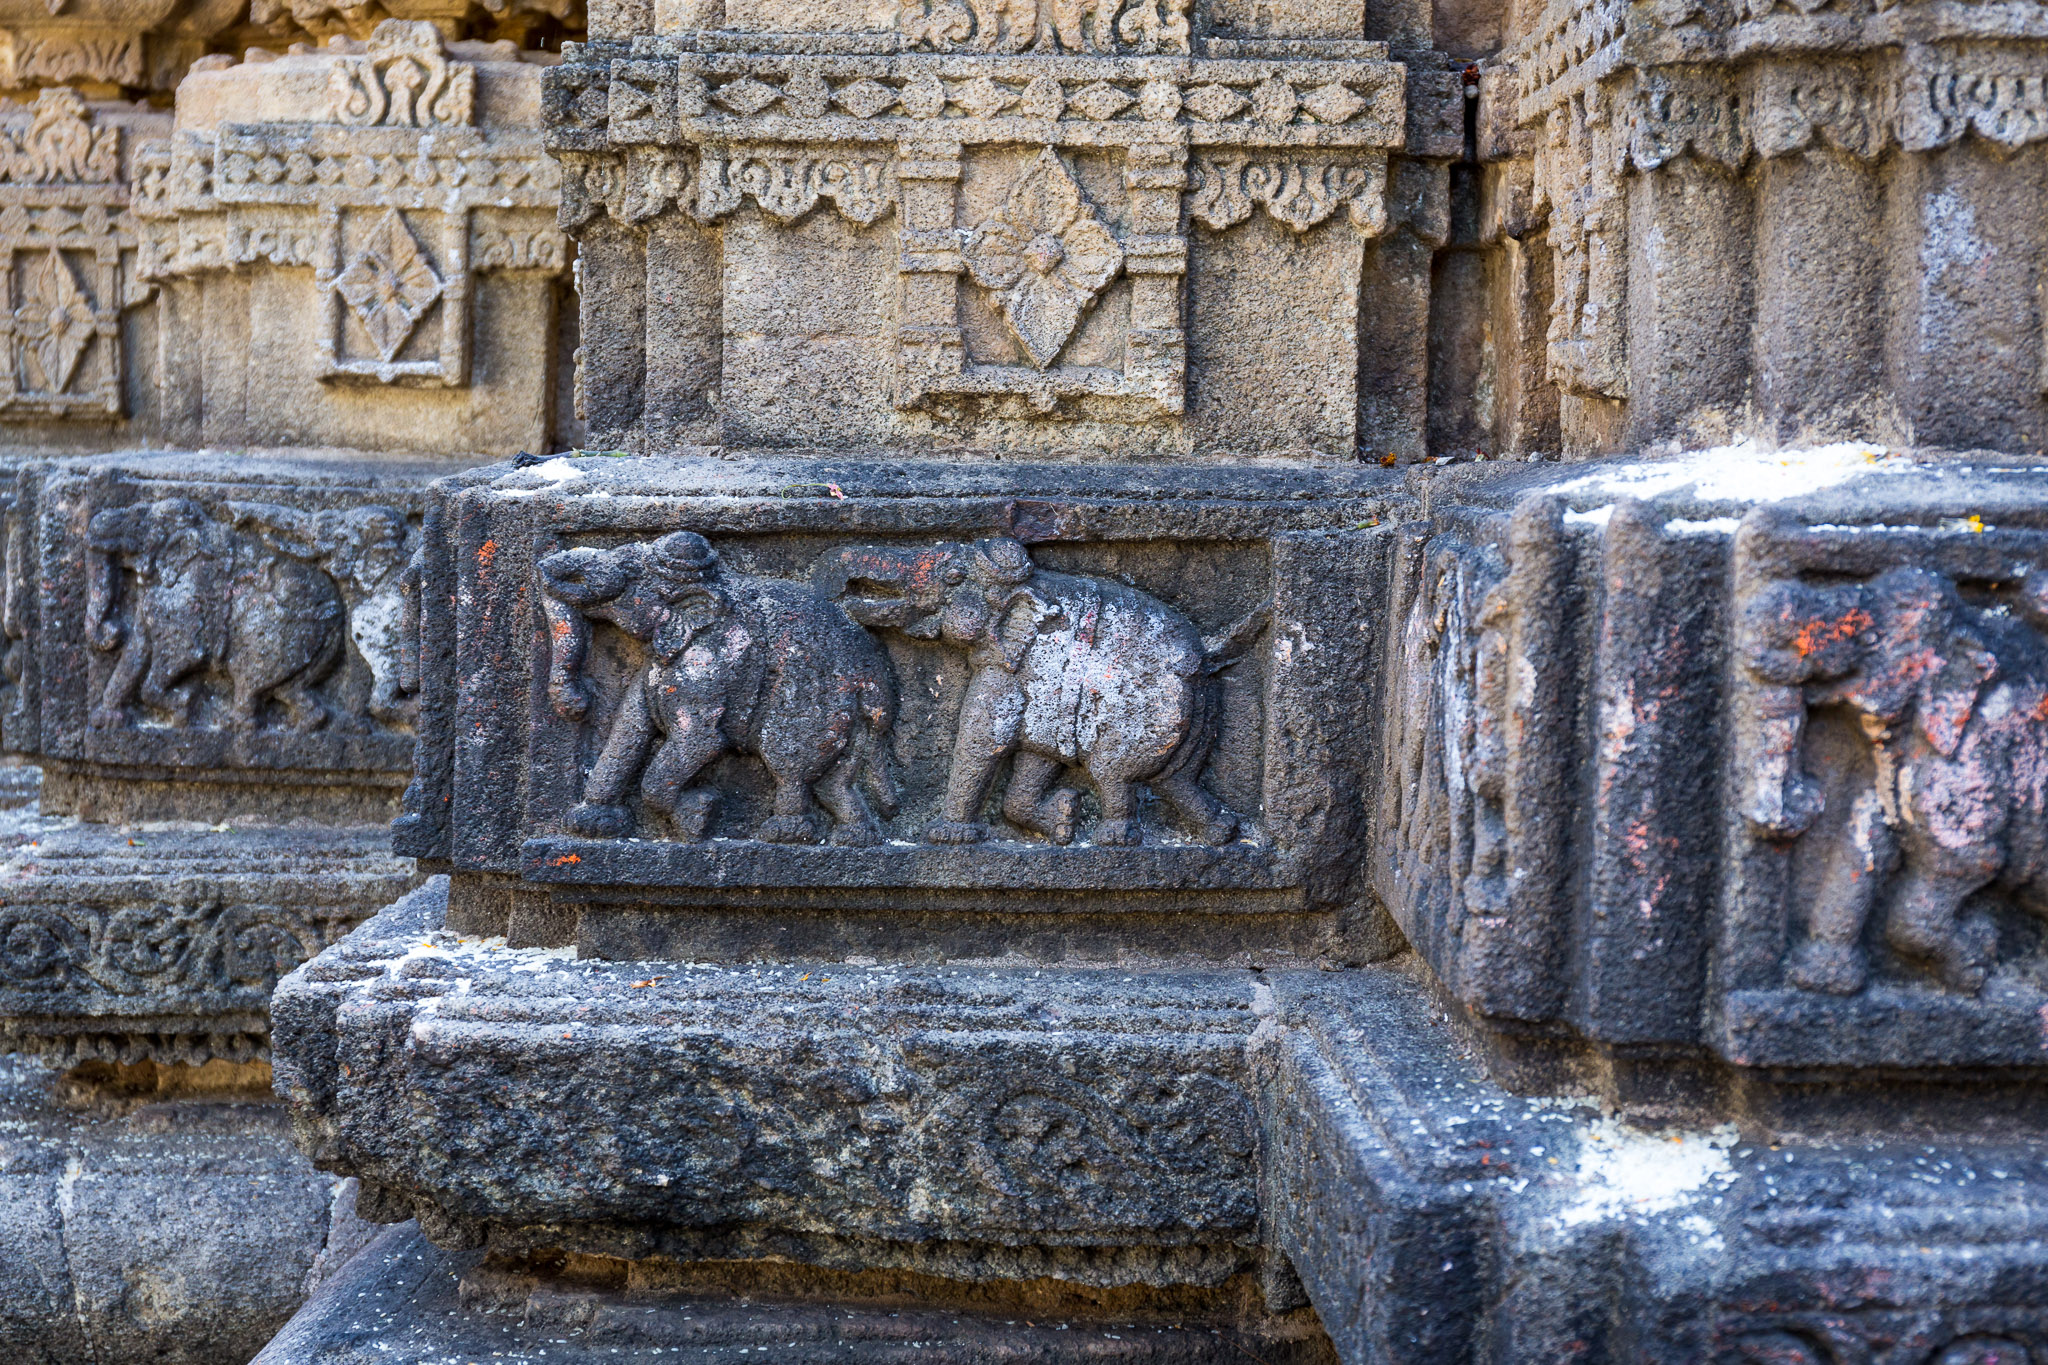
[[1066, 671], [1953, 700], [363, 549], [745, 665], [207, 597]]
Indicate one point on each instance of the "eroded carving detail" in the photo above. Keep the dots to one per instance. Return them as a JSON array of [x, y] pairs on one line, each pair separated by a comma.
[[404, 80], [1090, 26], [1068, 672], [389, 285], [210, 947], [787, 183], [1299, 194], [185, 597], [1952, 700], [754, 666], [1047, 255]]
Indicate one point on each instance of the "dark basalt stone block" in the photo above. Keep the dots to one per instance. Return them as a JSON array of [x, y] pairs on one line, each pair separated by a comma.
[[1433, 1216], [1094, 1125], [122, 944], [406, 1299], [1745, 758], [232, 620], [1019, 690]]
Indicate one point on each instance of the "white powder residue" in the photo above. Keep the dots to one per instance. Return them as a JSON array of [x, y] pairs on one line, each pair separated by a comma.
[[1712, 526], [1743, 473], [486, 951], [1596, 517], [1625, 1170]]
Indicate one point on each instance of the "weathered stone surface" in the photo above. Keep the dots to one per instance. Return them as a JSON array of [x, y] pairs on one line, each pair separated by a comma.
[[134, 47], [882, 642], [977, 1122], [223, 620], [354, 247], [123, 943], [151, 1215], [81, 354], [404, 1298], [1433, 1216], [1150, 244], [1739, 751], [1768, 221]]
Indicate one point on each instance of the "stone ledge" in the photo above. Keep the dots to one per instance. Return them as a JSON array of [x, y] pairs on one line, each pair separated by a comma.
[[405, 1299]]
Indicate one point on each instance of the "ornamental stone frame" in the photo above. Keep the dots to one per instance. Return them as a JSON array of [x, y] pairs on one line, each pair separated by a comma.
[[970, 153], [407, 181]]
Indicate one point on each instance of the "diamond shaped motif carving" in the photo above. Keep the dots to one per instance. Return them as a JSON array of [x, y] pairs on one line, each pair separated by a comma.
[[865, 98], [1100, 102], [389, 285], [1274, 100], [54, 320], [983, 98], [747, 96], [1214, 103], [1332, 103], [1047, 254]]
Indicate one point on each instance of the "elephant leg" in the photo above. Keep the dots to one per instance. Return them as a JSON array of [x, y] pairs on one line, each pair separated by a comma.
[[1119, 824], [989, 716], [1212, 823], [603, 814], [129, 667], [795, 819], [1026, 805], [665, 786], [1831, 959], [164, 686], [854, 824], [1923, 924]]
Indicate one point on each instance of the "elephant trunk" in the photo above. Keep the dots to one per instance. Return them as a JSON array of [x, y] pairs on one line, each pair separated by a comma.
[[571, 580]]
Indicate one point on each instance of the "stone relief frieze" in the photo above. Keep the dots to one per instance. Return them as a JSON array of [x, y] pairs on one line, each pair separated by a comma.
[[1066, 673], [1046, 255], [1061, 251], [236, 621], [1889, 781], [1949, 703], [234, 953], [403, 79], [1225, 191], [751, 666], [137, 46]]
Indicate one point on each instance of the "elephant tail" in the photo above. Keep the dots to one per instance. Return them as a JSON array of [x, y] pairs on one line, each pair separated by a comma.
[[1192, 753], [1228, 646]]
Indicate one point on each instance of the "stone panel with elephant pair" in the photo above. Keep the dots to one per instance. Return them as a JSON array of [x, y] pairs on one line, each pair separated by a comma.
[[1744, 752], [715, 675], [200, 618]]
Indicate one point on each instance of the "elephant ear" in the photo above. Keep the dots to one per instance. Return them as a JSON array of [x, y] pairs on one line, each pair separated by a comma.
[[1948, 693], [695, 612]]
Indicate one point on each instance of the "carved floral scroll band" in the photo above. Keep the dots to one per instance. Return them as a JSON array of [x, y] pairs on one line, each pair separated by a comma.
[[1296, 193]]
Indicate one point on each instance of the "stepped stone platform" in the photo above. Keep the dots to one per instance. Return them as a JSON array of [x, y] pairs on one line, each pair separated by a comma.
[[993, 1124]]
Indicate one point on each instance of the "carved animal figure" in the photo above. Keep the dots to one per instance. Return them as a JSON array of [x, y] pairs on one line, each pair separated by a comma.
[[744, 665], [363, 550], [206, 597], [1066, 672], [1953, 700]]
